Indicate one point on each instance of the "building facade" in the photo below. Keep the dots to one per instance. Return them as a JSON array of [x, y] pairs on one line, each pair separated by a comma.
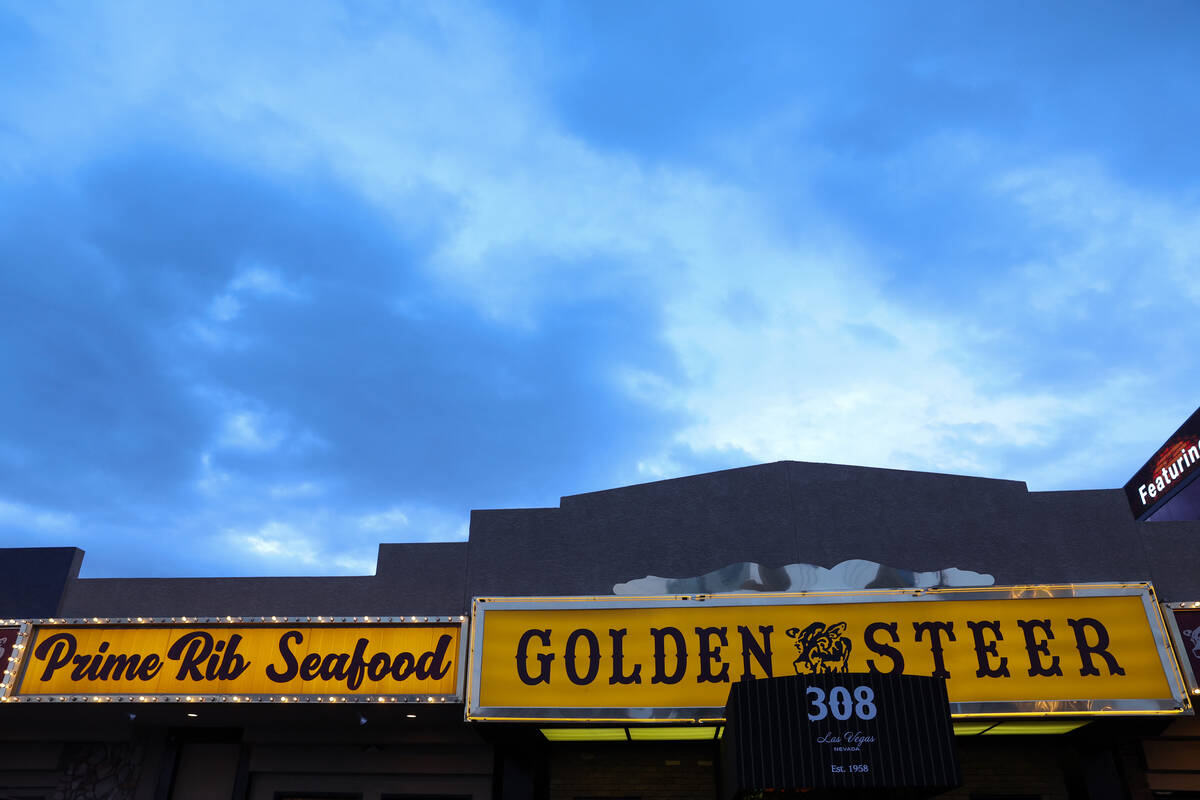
[[757, 539]]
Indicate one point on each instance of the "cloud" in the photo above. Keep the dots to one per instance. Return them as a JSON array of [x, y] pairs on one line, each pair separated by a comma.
[[245, 431], [1060, 347], [388, 520], [296, 490], [261, 280], [278, 546], [224, 308], [1112, 240], [414, 523], [338, 391], [21, 518], [326, 540], [481, 257]]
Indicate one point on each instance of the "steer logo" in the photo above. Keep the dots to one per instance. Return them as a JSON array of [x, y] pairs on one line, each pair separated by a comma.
[[822, 649], [1193, 636]]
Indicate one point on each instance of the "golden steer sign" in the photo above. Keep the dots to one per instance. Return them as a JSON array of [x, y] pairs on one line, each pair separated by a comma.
[[1079, 649], [301, 660]]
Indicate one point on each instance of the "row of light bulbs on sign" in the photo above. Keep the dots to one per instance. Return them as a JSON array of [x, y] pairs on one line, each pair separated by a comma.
[[10, 671], [162, 698]]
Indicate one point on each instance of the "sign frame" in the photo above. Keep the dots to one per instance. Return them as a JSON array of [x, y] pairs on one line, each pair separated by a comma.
[[18, 663], [1181, 647], [1177, 703]]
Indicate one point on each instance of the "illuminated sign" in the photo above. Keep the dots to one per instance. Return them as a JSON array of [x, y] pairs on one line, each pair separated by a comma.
[[1079, 649], [285, 661], [1167, 472]]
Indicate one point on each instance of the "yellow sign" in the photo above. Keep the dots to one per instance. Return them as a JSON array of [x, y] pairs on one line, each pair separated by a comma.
[[165, 659], [1016, 649]]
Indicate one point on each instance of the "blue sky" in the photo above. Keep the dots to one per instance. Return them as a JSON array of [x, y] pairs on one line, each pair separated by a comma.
[[279, 282]]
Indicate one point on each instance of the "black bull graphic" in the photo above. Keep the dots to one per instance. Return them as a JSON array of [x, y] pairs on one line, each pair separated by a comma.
[[822, 649]]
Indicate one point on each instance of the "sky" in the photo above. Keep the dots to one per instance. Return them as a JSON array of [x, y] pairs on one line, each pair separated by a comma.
[[283, 281]]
